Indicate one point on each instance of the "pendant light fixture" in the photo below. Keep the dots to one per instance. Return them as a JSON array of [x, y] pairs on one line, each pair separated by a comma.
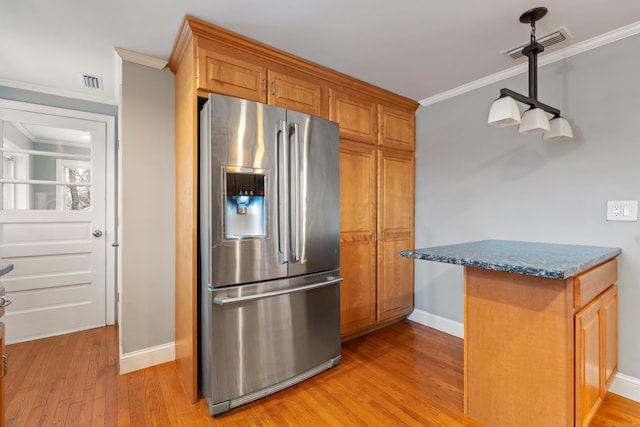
[[504, 110]]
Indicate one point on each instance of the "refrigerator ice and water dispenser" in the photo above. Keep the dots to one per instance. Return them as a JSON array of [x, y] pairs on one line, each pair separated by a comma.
[[245, 215]]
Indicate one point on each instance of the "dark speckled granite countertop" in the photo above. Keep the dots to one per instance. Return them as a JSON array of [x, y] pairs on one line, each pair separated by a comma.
[[550, 260]]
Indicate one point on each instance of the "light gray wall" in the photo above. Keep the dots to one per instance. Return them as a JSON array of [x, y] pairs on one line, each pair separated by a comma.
[[147, 220], [475, 181]]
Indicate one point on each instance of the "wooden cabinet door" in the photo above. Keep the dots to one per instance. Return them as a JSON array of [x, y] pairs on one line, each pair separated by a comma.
[[226, 75], [610, 334], [397, 128], [357, 236], [357, 116], [395, 231], [588, 388], [299, 94]]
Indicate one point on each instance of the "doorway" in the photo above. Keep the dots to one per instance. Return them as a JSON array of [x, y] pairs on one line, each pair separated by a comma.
[[57, 220]]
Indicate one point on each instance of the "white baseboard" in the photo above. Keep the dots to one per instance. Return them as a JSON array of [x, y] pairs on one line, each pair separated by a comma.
[[434, 321], [147, 357], [622, 385], [626, 386]]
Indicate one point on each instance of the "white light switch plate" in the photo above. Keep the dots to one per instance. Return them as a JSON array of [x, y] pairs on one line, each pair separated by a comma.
[[622, 210]]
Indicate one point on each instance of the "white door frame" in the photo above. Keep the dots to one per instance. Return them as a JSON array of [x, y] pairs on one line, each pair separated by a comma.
[[110, 232]]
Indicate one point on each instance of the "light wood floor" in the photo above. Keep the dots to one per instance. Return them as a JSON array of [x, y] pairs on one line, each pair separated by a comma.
[[406, 374]]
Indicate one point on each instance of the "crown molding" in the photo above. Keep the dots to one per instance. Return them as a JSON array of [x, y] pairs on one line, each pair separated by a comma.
[[196, 34], [138, 58], [593, 43]]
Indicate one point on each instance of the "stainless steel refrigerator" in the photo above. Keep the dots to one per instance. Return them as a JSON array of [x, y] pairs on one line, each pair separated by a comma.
[[270, 249]]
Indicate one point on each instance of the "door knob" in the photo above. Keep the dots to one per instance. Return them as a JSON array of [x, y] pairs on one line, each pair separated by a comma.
[[4, 302], [97, 233]]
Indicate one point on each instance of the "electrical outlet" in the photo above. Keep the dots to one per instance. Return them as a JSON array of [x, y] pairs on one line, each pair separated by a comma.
[[622, 210]]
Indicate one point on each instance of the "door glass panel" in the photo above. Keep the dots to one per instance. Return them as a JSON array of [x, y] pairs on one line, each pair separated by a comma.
[[45, 167]]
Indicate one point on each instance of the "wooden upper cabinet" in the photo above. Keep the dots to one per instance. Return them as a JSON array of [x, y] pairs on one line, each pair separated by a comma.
[[231, 76], [357, 116], [397, 128], [364, 119], [295, 93]]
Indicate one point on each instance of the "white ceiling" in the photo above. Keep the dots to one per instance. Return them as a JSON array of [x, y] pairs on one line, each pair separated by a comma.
[[417, 48]]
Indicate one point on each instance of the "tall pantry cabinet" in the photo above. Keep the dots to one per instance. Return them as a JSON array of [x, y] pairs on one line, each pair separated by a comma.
[[377, 130], [376, 208]]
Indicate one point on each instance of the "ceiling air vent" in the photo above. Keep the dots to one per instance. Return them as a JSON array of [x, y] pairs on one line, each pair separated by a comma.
[[555, 37], [91, 82]]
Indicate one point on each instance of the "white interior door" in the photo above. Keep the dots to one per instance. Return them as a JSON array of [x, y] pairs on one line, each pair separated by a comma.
[[52, 223]]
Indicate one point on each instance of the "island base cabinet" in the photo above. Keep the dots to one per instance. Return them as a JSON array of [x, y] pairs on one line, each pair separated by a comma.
[[610, 308], [596, 353], [539, 351], [518, 350]]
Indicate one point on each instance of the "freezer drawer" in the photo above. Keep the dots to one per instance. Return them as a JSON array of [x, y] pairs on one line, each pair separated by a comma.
[[264, 337]]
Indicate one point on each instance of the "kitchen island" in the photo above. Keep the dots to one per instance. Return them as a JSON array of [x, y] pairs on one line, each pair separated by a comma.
[[540, 325]]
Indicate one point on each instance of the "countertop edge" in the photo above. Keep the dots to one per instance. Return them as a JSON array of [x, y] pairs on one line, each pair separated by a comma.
[[517, 269]]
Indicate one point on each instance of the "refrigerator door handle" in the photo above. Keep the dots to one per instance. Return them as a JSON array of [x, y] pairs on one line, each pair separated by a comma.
[[294, 182], [222, 300], [282, 154]]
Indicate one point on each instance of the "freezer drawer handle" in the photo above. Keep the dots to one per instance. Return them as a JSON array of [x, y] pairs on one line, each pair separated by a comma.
[[222, 300]]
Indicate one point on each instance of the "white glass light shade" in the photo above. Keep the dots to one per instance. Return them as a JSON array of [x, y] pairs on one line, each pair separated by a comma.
[[534, 120], [559, 129], [504, 112]]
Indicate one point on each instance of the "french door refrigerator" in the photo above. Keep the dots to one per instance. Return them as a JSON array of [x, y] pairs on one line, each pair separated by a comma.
[[269, 249]]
